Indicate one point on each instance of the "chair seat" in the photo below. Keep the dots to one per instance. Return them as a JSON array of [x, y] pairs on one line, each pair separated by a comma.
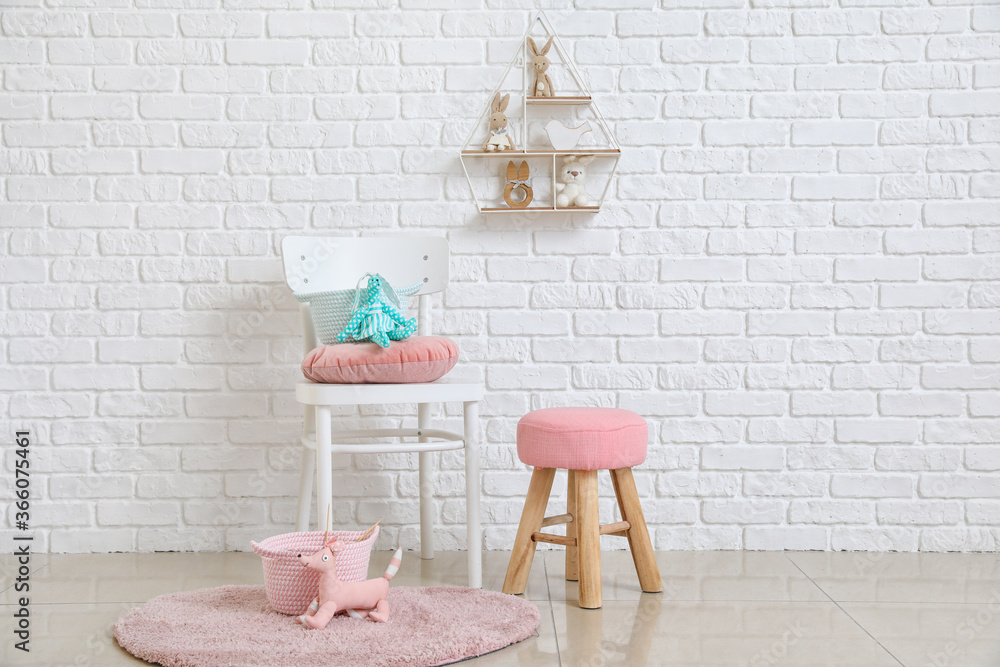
[[417, 359], [582, 438], [444, 390]]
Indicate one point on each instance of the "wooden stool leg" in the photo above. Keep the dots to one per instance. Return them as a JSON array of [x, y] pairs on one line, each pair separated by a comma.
[[531, 520], [638, 535], [572, 560], [588, 537]]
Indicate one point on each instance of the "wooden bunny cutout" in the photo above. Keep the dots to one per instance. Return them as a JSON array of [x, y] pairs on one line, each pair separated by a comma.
[[500, 138], [518, 179], [539, 65]]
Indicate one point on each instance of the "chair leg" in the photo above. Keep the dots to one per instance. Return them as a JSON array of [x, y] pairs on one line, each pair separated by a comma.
[[474, 532], [426, 482], [531, 521], [572, 557], [306, 474], [638, 535], [588, 538], [324, 465]]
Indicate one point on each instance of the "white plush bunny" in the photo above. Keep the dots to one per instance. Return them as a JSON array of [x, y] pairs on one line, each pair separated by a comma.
[[571, 188]]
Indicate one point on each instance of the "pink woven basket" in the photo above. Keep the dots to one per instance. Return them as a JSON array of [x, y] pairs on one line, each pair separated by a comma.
[[290, 586]]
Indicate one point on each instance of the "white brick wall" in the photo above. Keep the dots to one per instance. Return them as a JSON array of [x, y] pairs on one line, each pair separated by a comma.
[[796, 280]]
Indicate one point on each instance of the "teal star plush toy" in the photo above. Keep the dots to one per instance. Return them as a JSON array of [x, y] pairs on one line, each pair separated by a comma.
[[377, 318]]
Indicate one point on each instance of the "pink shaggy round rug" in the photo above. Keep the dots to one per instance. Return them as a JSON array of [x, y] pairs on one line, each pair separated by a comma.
[[235, 626]]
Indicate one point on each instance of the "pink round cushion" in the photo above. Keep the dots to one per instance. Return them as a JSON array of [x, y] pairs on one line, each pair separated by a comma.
[[416, 359], [582, 438]]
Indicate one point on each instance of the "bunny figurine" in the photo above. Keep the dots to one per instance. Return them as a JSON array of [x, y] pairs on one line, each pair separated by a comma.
[[500, 137], [571, 187], [539, 65]]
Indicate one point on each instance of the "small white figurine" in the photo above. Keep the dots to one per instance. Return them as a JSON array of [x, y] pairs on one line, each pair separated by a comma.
[[565, 138], [571, 188]]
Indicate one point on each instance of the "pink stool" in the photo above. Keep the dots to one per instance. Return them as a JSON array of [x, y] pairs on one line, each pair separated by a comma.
[[583, 441]]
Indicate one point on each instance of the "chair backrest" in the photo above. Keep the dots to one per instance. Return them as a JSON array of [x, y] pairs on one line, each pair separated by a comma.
[[322, 263], [318, 264]]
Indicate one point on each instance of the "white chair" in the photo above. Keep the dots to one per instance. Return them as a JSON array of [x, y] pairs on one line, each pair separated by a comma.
[[314, 264]]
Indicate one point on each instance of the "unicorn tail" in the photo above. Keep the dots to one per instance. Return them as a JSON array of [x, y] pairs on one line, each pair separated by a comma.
[[393, 568]]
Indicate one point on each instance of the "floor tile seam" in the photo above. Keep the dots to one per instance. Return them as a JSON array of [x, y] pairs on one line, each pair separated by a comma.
[[33, 572], [719, 601], [65, 606], [552, 610], [726, 601], [736, 601], [844, 611], [957, 605]]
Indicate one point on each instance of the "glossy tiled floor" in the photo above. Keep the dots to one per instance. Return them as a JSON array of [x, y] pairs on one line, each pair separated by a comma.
[[718, 608]]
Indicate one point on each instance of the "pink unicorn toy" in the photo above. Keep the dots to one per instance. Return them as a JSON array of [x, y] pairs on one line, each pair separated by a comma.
[[359, 599]]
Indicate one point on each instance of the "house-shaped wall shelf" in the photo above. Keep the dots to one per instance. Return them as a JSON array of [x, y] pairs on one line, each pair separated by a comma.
[[572, 107]]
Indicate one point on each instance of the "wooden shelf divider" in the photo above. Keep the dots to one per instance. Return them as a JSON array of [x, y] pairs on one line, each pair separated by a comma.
[[540, 209], [541, 153], [565, 100]]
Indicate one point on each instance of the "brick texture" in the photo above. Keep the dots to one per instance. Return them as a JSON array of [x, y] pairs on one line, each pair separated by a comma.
[[796, 278]]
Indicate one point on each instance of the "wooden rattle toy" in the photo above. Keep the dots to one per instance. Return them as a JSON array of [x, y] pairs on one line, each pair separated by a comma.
[[517, 179]]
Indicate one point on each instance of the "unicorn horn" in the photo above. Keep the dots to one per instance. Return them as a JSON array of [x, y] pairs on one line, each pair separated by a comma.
[[368, 532], [326, 533]]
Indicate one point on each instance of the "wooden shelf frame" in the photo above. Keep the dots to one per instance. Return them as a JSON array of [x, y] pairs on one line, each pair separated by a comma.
[[559, 101], [541, 209], [534, 153], [521, 59]]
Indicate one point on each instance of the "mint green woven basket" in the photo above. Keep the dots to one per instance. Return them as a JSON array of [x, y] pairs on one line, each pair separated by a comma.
[[332, 310]]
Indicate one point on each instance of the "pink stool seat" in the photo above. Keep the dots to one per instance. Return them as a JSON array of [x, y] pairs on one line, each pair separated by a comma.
[[582, 438]]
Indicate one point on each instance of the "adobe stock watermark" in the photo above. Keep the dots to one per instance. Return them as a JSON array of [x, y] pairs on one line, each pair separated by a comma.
[[99, 645], [965, 632], [630, 634], [279, 295], [22, 543], [866, 560], [777, 652]]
